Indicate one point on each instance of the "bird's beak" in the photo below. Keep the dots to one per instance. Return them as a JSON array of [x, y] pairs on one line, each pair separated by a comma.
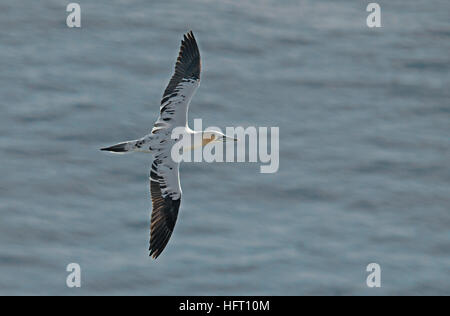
[[229, 139]]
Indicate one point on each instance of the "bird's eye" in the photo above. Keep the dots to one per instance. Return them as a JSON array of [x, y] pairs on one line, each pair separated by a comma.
[[213, 137]]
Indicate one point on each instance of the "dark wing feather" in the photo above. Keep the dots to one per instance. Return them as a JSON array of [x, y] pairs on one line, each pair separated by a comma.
[[164, 181], [188, 65], [164, 214]]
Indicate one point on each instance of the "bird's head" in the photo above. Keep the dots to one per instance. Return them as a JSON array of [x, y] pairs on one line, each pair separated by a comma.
[[213, 136]]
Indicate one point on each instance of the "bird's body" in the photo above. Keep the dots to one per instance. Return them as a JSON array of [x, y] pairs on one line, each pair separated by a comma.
[[164, 174]]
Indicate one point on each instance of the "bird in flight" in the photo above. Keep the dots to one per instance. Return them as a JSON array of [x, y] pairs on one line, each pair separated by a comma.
[[165, 186]]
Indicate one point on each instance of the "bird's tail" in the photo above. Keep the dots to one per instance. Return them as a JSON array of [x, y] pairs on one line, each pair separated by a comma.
[[122, 147]]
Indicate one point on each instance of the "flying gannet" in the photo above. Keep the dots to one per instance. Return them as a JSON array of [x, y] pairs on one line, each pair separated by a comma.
[[165, 186]]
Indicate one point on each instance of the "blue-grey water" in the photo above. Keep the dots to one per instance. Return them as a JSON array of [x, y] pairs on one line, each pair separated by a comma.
[[364, 118]]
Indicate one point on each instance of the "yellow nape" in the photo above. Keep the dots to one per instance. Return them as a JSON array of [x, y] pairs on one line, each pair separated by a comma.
[[205, 140]]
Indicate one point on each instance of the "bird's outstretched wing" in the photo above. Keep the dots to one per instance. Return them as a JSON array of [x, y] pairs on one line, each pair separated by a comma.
[[166, 197], [164, 175], [181, 87]]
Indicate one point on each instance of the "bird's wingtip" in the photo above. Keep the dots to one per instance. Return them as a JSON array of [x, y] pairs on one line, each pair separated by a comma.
[[153, 254]]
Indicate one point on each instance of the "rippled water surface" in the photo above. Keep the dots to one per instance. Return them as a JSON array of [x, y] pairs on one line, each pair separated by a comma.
[[364, 147]]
